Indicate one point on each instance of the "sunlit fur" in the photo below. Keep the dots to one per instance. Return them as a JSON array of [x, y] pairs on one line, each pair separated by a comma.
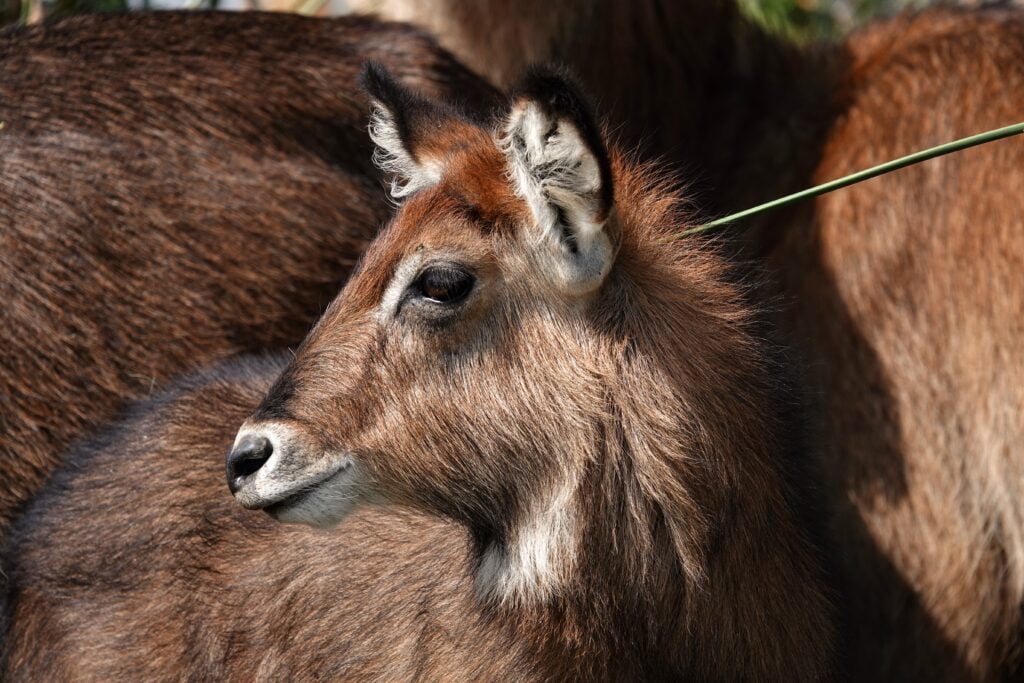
[[408, 175], [153, 224], [612, 456], [557, 487], [901, 296]]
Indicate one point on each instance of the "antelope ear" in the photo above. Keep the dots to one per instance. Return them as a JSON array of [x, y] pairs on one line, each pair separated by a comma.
[[400, 121], [560, 167]]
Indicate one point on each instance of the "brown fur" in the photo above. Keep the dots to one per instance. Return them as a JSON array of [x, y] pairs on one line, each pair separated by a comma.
[[180, 582], [907, 303], [175, 188], [903, 294], [654, 393]]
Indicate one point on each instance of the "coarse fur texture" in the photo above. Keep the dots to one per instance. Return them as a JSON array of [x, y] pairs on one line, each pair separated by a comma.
[[177, 581], [902, 295], [176, 188], [608, 466], [907, 304]]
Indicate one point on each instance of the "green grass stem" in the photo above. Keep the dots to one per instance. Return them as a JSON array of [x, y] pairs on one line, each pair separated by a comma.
[[860, 176]]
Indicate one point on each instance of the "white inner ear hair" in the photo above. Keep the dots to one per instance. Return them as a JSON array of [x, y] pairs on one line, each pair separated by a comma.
[[552, 169], [538, 557], [557, 174], [391, 156]]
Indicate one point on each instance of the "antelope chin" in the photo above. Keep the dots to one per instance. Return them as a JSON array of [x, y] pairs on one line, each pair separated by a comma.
[[325, 502]]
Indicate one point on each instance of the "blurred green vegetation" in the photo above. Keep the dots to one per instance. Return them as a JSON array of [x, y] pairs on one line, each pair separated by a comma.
[[804, 20], [800, 20]]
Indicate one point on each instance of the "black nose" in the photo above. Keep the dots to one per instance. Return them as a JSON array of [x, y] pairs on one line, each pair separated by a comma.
[[248, 455]]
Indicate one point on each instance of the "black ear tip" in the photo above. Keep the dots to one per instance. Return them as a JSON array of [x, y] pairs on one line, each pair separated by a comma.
[[377, 81], [553, 86]]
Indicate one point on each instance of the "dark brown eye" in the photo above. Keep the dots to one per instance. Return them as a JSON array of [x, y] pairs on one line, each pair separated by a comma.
[[444, 284]]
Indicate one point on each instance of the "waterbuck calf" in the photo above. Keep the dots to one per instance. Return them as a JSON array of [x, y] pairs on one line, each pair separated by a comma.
[[174, 189], [547, 436], [903, 295]]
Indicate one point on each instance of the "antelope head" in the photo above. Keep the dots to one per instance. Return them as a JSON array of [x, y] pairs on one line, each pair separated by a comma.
[[501, 344]]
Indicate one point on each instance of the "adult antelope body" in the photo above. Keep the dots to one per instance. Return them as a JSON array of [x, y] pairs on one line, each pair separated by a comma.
[[902, 296], [175, 188], [550, 440]]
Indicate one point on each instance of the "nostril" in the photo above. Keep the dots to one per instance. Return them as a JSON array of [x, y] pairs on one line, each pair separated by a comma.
[[246, 458], [246, 466]]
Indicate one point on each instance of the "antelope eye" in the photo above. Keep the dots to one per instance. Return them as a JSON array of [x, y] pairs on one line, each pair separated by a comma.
[[444, 284]]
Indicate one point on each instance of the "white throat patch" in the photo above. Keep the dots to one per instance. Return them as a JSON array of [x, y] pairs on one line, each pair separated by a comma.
[[539, 556]]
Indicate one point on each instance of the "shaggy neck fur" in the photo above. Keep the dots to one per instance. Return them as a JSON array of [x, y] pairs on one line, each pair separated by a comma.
[[674, 539]]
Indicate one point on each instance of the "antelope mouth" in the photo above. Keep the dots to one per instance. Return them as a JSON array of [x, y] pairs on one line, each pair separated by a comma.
[[304, 491], [277, 507], [322, 503]]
